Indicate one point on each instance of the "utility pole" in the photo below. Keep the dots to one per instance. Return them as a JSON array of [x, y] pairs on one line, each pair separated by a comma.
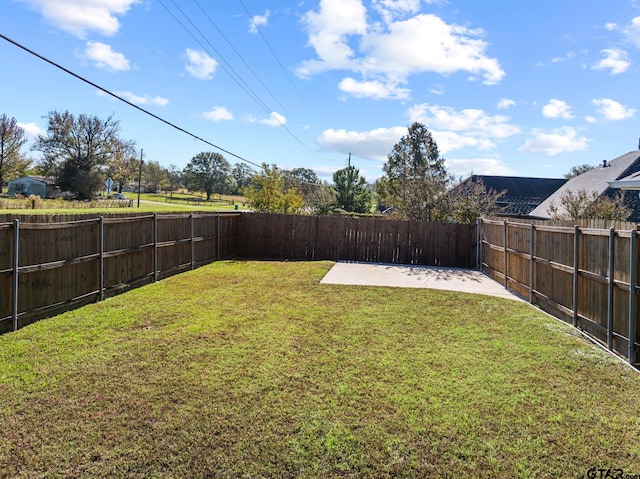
[[140, 176], [349, 161]]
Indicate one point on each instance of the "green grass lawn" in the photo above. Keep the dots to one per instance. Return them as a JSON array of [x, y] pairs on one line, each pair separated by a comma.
[[254, 369], [150, 203]]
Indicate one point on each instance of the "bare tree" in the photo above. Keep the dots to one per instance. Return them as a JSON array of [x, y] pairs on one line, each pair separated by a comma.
[[581, 204]]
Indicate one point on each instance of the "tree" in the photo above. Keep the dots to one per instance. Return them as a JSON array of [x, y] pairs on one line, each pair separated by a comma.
[[174, 177], [417, 180], [155, 175], [320, 200], [577, 170], [242, 175], [76, 145], [470, 200], [122, 166], [581, 204], [12, 138], [267, 193], [209, 172], [351, 189]]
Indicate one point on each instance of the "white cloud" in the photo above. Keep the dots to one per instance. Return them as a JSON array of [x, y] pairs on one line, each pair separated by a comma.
[[612, 110], [437, 89], [218, 113], [104, 57], [615, 60], [561, 140], [142, 100], [275, 119], [557, 109], [568, 56], [390, 52], [377, 144], [374, 144], [610, 26], [258, 21], [31, 130], [80, 17], [372, 89], [473, 122], [478, 166], [505, 103], [200, 64], [450, 141], [632, 32]]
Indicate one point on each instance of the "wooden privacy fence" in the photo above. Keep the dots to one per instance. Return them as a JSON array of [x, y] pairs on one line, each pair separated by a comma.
[[47, 267], [378, 240], [585, 276]]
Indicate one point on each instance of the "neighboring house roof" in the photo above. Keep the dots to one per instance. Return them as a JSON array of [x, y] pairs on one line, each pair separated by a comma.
[[598, 180], [521, 194], [40, 179]]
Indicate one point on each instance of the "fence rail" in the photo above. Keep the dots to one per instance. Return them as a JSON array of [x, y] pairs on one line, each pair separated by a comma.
[[46, 267], [585, 276]]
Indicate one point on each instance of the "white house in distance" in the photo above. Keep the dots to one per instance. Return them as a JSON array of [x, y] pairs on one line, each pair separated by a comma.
[[32, 185]]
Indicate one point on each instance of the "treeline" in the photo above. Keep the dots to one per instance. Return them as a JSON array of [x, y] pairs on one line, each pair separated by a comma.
[[80, 152]]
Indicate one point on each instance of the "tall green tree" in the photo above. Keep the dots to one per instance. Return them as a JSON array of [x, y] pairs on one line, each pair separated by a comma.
[[351, 189], [416, 180], [242, 174], [268, 194], [12, 139], [79, 145], [209, 172], [155, 175]]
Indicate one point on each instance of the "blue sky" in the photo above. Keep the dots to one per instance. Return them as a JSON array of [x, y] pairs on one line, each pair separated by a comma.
[[524, 88]]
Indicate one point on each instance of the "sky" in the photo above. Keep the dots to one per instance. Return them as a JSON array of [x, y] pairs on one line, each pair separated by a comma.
[[514, 88]]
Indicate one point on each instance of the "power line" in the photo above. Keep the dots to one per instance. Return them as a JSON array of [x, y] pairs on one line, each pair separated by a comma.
[[147, 112], [284, 70], [237, 78], [104, 90]]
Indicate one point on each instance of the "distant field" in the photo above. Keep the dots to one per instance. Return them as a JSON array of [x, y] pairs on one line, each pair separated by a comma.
[[255, 369], [149, 203]]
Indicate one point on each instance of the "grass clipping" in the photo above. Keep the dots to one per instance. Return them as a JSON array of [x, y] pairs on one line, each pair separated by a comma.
[[245, 369]]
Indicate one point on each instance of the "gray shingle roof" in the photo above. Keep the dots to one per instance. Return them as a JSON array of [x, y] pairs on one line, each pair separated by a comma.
[[522, 194], [593, 180]]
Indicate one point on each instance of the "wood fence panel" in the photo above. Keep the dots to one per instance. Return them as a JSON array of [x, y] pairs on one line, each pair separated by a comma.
[[128, 246], [174, 243], [229, 235], [205, 230], [6, 276]]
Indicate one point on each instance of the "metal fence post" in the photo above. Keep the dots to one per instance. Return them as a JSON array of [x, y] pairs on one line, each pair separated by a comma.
[[191, 237], [155, 247], [576, 271], [16, 243], [506, 258], [532, 230], [101, 267], [611, 284], [633, 273]]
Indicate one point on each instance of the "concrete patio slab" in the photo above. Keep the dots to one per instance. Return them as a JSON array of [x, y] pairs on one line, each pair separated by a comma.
[[408, 276]]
